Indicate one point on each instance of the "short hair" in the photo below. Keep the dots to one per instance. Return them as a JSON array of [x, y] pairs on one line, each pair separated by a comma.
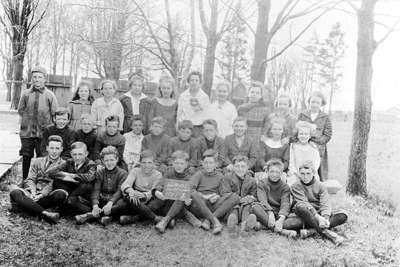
[[240, 118], [185, 124], [81, 84], [113, 83], [109, 150], [318, 94], [158, 120], [170, 81], [283, 96], [136, 117], [62, 111], [112, 118], [273, 162], [210, 153], [179, 154], [224, 83], [194, 73], [145, 154], [240, 158], [134, 77], [55, 138], [308, 165], [77, 145], [276, 120], [87, 116], [211, 122], [304, 125]]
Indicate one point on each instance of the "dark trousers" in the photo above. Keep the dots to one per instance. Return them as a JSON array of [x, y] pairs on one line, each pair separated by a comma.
[[173, 207], [308, 215], [147, 210], [117, 208], [204, 208], [28, 147], [54, 199], [78, 196], [291, 222]]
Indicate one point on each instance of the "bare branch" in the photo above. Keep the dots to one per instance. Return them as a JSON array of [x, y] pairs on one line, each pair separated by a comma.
[[203, 19], [391, 30]]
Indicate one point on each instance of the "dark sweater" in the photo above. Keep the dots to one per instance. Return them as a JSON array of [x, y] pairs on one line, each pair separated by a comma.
[[89, 139], [189, 146], [67, 135], [103, 140], [314, 193], [267, 153], [108, 185], [218, 145], [274, 197], [242, 186], [247, 148], [207, 183], [159, 145]]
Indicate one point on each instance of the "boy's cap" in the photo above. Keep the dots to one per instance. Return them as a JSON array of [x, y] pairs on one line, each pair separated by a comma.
[[39, 69], [185, 124]]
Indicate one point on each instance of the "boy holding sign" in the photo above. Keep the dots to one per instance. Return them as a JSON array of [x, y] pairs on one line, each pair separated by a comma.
[[175, 189]]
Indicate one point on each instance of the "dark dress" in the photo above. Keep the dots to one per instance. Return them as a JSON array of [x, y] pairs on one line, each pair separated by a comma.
[[167, 112]]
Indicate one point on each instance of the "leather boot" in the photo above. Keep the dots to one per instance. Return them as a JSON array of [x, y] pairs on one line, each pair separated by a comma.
[[332, 236], [232, 222], [190, 218], [217, 226], [82, 218], [51, 217]]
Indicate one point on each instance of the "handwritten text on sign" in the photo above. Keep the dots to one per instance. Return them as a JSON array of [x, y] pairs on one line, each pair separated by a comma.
[[176, 189]]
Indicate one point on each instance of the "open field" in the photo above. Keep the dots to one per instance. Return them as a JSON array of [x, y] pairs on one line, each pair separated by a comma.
[[372, 237]]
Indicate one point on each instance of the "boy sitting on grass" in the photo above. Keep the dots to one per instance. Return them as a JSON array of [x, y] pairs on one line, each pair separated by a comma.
[[111, 137], [60, 128], [185, 142], [207, 198], [75, 176], [87, 134], [178, 171], [311, 204], [211, 140], [273, 206], [38, 194], [106, 194], [242, 183], [138, 190], [157, 142]]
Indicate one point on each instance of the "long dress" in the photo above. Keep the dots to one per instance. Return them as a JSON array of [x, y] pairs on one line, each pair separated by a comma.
[[76, 109], [167, 112]]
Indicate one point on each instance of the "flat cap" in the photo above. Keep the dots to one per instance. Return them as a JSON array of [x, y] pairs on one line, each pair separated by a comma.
[[39, 69]]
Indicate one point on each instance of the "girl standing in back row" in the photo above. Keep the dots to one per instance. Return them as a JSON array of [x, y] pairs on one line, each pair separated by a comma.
[[81, 103], [165, 105], [323, 133]]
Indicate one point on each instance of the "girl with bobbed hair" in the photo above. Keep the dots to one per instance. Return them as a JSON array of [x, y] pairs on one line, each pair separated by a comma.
[[81, 103], [323, 128]]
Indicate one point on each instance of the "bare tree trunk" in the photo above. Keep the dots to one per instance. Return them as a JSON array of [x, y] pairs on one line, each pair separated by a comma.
[[18, 79], [261, 41], [357, 182]]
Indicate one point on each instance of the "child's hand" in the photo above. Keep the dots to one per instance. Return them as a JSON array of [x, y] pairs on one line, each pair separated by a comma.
[[323, 223], [36, 197], [159, 195], [96, 211], [107, 208], [271, 220], [279, 224], [214, 198], [134, 200]]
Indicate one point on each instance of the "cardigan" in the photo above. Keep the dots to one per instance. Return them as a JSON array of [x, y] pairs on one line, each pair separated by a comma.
[[248, 148], [36, 108]]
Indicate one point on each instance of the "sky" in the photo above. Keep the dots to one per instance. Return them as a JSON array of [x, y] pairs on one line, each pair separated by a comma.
[[386, 60]]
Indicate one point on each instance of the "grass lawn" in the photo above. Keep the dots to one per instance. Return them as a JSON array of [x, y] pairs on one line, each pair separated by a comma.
[[372, 238]]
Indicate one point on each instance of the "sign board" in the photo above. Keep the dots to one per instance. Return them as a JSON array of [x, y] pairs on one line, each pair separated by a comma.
[[177, 189]]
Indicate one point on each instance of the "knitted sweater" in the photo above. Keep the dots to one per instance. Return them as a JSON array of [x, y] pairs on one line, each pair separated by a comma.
[[107, 184], [274, 196], [207, 183], [314, 193]]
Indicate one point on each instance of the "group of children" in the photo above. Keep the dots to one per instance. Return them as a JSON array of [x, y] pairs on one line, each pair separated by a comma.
[[110, 158]]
